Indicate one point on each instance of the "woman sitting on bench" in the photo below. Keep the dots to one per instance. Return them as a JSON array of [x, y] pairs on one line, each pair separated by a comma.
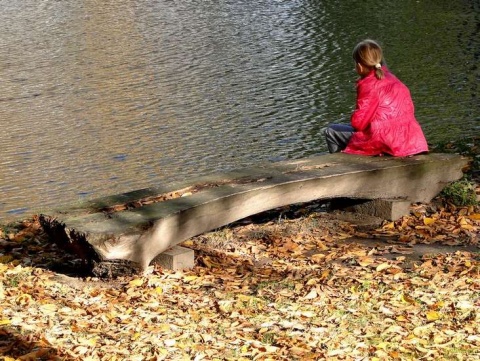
[[383, 121]]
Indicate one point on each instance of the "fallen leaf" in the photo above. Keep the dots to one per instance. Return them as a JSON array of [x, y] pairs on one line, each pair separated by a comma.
[[88, 342], [48, 308], [318, 258], [169, 342], [311, 295], [136, 282], [428, 221], [432, 315], [383, 266], [365, 261]]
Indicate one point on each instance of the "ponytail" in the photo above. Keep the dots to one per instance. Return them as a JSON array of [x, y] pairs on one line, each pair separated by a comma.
[[379, 73]]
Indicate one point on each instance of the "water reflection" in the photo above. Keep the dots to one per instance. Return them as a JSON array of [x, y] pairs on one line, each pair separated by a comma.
[[101, 97]]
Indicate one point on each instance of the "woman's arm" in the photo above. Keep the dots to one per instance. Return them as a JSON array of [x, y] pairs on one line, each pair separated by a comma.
[[366, 106]]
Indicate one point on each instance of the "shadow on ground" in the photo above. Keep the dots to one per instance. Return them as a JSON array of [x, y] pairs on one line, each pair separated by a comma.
[[23, 347]]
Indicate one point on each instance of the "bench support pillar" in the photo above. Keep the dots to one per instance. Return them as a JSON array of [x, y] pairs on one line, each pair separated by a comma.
[[176, 258]]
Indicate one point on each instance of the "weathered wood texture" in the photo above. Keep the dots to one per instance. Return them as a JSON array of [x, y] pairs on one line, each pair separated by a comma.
[[138, 226]]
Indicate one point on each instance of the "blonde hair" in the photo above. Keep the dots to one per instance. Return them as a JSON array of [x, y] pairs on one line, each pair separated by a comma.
[[370, 54]]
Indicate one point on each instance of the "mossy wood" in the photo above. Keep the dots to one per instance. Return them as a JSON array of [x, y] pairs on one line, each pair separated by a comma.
[[137, 226]]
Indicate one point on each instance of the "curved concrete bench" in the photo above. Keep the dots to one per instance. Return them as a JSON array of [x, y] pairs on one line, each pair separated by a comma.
[[138, 226]]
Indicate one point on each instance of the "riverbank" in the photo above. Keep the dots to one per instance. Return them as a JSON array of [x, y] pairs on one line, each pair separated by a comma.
[[296, 283]]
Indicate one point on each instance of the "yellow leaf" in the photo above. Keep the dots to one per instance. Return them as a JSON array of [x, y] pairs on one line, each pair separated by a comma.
[[382, 345], [245, 298], [428, 221], [475, 216], [308, 314], [136, 282], [382, 267], [88, 342], [321, 246], [432, 315], [5, 322], [189, 278], [159, 290], [23, 299], [164, 327]]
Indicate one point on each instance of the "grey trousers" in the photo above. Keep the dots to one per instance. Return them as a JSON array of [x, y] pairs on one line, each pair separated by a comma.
[[337, 136]]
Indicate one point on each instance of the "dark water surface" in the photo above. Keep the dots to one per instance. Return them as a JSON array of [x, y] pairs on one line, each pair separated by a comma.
[[102, 97]]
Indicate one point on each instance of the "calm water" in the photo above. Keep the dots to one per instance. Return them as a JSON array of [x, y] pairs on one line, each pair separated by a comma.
[[102, 97]]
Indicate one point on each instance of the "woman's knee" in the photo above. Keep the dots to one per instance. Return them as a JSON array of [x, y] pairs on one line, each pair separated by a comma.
[[328, 131]]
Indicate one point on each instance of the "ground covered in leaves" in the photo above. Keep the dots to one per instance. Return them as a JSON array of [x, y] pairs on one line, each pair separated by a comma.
[[298, 284]]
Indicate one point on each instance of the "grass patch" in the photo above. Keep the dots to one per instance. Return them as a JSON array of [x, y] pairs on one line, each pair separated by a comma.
[[461, 193]]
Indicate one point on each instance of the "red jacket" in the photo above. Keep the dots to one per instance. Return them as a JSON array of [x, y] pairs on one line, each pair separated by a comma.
[[384, 119]]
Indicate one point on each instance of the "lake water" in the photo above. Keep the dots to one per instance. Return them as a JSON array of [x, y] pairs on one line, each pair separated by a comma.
[[102, 97]]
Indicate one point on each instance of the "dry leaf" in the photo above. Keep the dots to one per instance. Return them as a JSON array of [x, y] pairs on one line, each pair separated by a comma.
[[475, 216], [311, 295], [383, 266], [365, 261], [432, 315], [48, 308], [136, 282], [428, 221], [274, 303]]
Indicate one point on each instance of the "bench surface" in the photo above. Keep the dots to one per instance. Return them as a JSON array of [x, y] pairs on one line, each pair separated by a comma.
[[139, 225]]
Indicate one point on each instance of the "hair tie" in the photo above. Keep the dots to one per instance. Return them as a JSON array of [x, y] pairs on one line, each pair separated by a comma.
[[378, 66]]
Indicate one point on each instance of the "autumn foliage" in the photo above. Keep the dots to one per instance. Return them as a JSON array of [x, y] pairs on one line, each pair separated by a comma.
[[298, 283]]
